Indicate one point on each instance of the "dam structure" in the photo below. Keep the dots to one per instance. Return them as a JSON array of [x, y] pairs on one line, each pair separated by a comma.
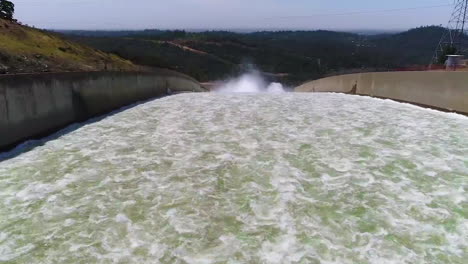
[[34, 105], [442, 90], [299, 177]]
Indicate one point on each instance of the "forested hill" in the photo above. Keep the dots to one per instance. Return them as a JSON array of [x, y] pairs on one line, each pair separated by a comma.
[[293, 55]]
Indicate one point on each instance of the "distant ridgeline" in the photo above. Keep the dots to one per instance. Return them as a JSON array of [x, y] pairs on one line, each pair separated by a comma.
[[293, 56]]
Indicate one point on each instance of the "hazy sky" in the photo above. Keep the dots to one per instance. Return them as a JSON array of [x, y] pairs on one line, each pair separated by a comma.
[[232, 14]]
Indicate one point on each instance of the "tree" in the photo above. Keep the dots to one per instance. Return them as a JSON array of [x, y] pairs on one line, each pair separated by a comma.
[[7, 9], [447, 50]]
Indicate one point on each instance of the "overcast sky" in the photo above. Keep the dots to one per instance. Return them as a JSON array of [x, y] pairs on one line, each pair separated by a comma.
[[233, 14]]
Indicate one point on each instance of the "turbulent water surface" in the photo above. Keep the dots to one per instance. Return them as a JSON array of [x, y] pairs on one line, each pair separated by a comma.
[[216, 178]]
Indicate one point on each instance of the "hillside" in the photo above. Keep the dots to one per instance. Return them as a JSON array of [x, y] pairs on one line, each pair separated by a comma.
[[415, 46], [206, 58], [25, 50], [294, 56]]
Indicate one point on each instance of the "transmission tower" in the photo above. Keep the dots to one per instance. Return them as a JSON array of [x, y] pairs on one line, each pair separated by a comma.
[[454, 39]]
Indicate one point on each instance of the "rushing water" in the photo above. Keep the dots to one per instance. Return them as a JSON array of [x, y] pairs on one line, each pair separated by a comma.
[[216, 178]]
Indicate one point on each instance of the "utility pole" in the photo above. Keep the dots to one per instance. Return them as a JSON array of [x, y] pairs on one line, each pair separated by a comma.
[[454, 39]]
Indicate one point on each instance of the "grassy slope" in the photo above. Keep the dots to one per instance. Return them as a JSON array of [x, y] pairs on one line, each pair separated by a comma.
[[24, 49]]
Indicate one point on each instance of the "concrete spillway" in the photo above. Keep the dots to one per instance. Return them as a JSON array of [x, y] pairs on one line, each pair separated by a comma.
[[34, 105], [214, 178], [447, 91]]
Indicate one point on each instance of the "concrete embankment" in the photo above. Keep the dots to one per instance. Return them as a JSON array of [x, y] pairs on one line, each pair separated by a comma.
[[33, 105], [440, 90]]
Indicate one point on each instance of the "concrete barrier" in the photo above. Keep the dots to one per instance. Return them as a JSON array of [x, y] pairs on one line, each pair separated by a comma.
[[33, 105], [441, 90]]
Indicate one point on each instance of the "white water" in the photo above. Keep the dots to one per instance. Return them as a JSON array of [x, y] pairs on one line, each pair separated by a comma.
[[244, 178], [250, 82]]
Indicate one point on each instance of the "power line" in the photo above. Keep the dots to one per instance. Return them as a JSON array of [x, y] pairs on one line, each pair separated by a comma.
[[33, 4], [454, 39], [364, 12]]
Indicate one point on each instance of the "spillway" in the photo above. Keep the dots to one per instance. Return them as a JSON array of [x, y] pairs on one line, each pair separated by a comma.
[[238, 178]]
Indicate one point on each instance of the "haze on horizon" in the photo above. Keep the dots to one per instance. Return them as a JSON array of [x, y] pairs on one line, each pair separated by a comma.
[[233, 14]]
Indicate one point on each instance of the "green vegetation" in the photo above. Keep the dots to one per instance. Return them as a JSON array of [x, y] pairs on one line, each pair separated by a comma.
[[446, 50], [24, 49], [292, 56], [7, 9]]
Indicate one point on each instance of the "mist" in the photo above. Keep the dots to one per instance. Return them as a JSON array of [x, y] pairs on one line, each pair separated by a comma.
[[250, 82]]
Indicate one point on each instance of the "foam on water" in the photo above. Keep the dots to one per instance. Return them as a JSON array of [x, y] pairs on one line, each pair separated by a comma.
[[238, 178]]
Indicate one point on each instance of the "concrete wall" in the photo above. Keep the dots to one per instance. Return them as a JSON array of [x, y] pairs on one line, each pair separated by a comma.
[[441, 90], [37, 104]]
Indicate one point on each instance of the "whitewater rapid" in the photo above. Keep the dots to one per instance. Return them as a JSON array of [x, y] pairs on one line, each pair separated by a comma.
[[238, 178]]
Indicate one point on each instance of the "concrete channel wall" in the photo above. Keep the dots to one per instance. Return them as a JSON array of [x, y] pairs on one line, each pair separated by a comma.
[[441, 90], [33, 105]]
